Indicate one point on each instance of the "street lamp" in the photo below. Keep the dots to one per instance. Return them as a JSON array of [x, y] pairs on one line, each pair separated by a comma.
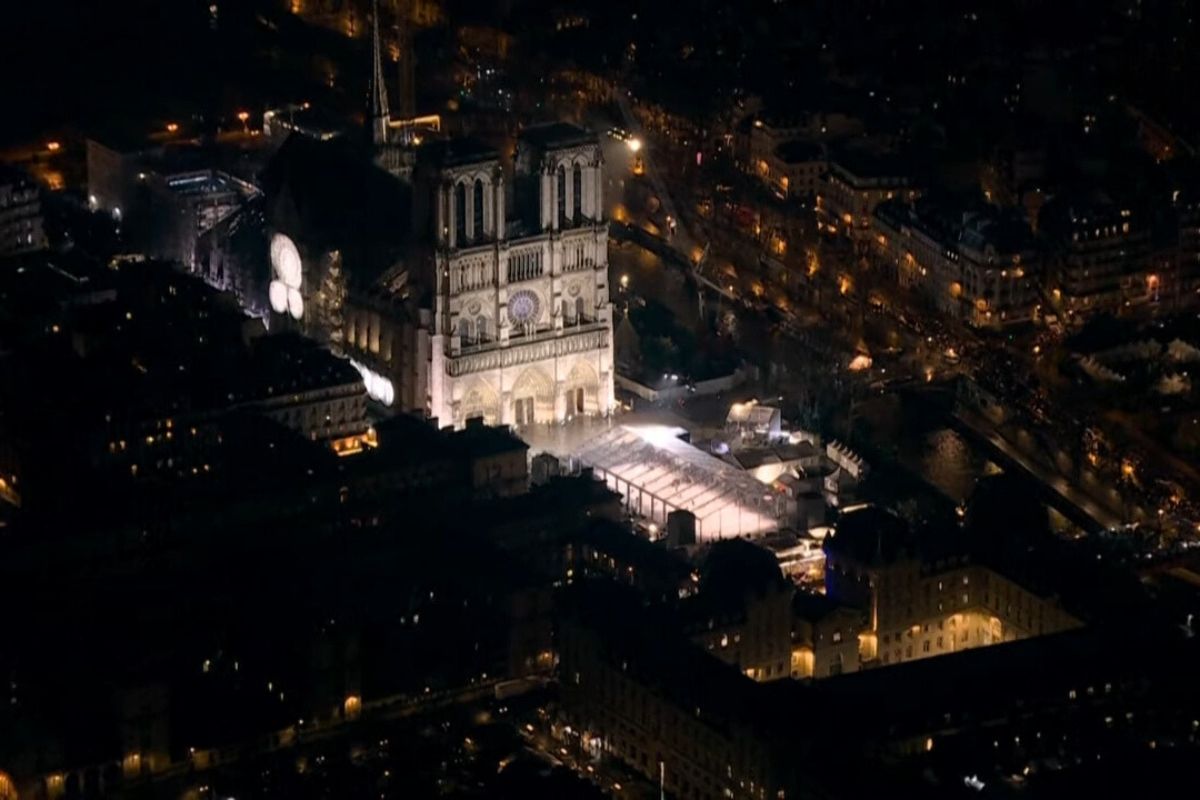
[[635, 144], [244, 117]]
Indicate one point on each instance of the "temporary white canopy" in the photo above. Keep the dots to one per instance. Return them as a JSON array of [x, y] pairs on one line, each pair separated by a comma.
[[657, 472]]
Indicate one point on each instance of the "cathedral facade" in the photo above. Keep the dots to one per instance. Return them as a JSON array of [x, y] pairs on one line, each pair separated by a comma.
[[459, 283], [495, 302], [522, 323]]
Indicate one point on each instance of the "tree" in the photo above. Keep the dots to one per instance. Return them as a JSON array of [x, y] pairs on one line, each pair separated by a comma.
[[331, 299]]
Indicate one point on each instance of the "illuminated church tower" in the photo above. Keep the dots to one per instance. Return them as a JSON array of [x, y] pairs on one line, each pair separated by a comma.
[[378, 115], [394, 139], [408, 61]]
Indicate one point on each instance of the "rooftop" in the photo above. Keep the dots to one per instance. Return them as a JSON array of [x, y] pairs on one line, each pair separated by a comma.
[[458, 152], [555, 135], [329, 196], [799, 151], [812, 606], [869, 163], [871, 535], [653, 460]]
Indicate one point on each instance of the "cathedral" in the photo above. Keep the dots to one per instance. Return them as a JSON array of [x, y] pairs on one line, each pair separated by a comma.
[[461, 282]]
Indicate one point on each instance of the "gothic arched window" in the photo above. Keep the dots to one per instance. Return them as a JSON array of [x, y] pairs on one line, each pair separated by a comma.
[[562, 196], [577, 193], [481, 328], [477, 216], [460, 214]]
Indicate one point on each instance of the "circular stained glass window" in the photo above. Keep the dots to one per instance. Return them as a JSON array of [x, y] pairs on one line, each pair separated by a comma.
[[523, 307]]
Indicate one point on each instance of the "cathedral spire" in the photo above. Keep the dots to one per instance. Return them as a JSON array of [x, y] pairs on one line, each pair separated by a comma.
[[407, 65], [379, 115]]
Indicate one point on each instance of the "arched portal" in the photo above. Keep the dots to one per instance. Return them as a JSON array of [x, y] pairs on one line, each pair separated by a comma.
[[532, 397], [582, 389], [480, 401]]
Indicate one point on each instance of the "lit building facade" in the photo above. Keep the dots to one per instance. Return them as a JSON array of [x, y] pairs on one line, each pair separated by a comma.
[[496, 307], [854, 185], [1184, 290], [669, 711], [1101, 258], [521, 329], [981, 268], [21, 226], [786, 155], [918, 606]]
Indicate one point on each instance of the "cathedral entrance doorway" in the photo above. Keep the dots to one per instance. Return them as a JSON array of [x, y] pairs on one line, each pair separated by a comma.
[[583, 390], [523, 410], [481, 401], [533, 398]]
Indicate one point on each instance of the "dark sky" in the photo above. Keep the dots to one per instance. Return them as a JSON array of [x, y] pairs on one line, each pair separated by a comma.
[[73, 63]]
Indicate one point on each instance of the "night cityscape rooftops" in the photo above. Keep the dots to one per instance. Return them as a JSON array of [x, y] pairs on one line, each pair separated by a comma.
[[326, 469]]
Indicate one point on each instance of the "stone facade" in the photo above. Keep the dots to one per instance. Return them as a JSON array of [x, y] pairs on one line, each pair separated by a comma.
[[522, 325], [499, 305]]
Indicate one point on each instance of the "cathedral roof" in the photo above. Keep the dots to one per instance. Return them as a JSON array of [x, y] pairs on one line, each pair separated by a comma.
[[327, 195], [555, 135], [458, 152]]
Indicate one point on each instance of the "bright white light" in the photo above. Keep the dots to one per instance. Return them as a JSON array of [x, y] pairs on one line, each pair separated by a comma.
[[657, 435], [378, 387], [295, 304], [285, 261], [634, 144], [820, 531], [278, 294]]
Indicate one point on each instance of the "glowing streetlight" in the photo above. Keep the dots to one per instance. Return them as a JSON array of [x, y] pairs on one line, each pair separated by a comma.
[[634, 144], [625, 281], [244, 117], [172, 127], [53, 147]]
